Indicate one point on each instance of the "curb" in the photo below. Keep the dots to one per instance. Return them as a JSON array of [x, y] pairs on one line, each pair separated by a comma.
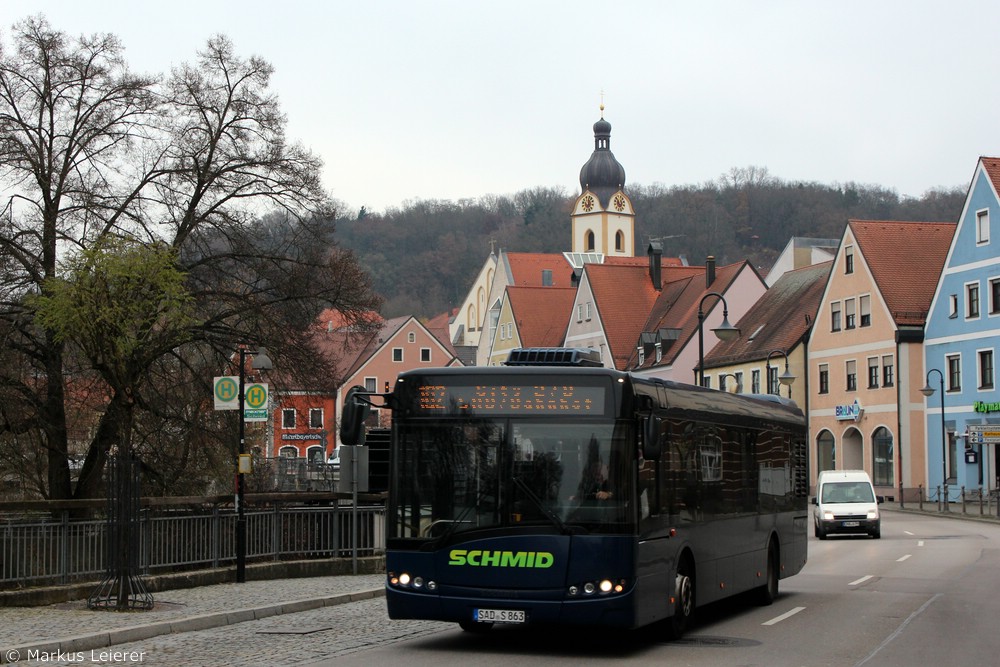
[[104, 639]]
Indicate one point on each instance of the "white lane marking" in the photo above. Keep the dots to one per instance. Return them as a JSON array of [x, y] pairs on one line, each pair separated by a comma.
[[861, 580], [787, 614], [899, 630], [900, 560], [907, 532], [920, 543]]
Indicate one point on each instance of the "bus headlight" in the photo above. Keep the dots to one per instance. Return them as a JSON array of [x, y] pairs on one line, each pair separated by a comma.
[[589, 588], [605, 586]]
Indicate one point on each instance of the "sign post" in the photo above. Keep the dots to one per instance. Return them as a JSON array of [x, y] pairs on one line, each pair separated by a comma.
[[984, 434]]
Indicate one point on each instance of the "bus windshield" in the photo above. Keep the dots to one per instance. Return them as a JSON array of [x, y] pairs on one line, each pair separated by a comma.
[[456, 476]]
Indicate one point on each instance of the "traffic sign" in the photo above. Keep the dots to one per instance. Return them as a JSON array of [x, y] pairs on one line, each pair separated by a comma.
[[984, 434], [226, 390], [255, 402]]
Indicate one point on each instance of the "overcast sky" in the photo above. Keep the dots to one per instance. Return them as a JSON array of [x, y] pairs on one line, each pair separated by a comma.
[[458, 99]]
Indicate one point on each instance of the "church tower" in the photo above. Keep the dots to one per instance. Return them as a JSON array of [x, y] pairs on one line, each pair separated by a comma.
[[603, 218]]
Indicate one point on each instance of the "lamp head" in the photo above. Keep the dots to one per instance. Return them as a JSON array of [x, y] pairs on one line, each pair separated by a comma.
[[261, 362], [726, 331], [928, 390]]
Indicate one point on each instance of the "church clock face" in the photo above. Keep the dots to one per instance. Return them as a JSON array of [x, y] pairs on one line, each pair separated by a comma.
[[619, 203], [588, 203]]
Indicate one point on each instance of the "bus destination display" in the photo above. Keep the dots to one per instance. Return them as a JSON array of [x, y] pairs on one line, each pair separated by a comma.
[[510, 399]]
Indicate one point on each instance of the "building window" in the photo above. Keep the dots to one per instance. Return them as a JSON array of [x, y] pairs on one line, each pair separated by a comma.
[[835, 316], [315, 417], [739, 381], [849, 313], [982, 227], [587, 312], [288, 418], [888, 372], [579, 313], [412, 337], [954, 363], [397, 354], [546, 277], [865, 305], [772, 379], [972, 301], [589, 244], [642, 355], [852, 375], [619, 241], [873, 372], [882, 457], [706, 381], [849, 260], [425, 354], [824, 379], [370, 384], [952, 306], [995, 296], [986, 369], [755, 381], [659, 353]]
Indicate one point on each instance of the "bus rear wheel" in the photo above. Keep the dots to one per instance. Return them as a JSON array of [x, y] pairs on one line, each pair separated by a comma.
[[767, 593], [683, 602]]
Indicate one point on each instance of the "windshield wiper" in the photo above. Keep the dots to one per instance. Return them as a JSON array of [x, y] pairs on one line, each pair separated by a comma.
[[546, 511]]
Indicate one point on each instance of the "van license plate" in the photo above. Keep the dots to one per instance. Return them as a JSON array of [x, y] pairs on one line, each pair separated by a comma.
[[498, 615], [851, 524]]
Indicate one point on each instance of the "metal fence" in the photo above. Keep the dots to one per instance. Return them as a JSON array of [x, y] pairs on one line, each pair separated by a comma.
[[45, 551]]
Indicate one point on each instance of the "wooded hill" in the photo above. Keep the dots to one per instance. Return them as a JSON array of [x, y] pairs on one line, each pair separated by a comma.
[[424, 255]]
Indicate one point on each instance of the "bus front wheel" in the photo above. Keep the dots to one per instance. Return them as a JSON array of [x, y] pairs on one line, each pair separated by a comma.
[[683, 602]]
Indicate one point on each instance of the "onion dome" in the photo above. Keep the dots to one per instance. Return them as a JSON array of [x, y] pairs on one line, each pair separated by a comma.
[[602, 174]]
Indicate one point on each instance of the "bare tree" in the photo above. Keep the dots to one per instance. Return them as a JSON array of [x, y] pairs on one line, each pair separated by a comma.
[[198, 161]]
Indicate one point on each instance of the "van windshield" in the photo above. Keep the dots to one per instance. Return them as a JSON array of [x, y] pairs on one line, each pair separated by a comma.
[[848, 492]]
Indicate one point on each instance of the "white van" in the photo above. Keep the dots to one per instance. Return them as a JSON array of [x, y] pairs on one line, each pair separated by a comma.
[[846, 503]]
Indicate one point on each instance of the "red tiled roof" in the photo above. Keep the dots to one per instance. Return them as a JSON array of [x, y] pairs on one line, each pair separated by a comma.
[[526, 268], [642, 261], [779, 320], [624, 297], [905, 259], [541, 313], [677, 307], [992, 166]]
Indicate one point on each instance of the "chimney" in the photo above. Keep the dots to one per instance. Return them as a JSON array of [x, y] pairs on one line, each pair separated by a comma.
[[655, 252], [709, 270]]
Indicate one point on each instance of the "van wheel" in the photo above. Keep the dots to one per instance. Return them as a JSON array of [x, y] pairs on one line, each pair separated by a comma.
[[820, 533], [767, 593], [683, 601]]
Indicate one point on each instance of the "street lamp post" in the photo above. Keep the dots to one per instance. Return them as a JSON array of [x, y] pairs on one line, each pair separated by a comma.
[[260, 361], [725, 332], [786, 378], [928, 391]]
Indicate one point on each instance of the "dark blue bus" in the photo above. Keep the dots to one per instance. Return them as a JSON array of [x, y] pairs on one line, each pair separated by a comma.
[[583, 495]]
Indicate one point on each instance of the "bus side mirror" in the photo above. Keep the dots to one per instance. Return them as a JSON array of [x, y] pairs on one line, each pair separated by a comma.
[[651, 438], [352, 422]]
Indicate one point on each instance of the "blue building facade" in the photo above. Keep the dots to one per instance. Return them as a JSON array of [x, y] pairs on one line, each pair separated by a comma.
[[961, 338]]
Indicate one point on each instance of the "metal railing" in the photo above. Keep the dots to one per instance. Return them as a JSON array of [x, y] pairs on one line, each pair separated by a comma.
[[43, 550]]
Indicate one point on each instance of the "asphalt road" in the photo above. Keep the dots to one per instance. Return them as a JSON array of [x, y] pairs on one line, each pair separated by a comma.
[[926, 593]]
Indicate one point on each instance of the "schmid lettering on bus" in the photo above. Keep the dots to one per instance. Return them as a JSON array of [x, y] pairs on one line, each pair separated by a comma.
[[479, 558]]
